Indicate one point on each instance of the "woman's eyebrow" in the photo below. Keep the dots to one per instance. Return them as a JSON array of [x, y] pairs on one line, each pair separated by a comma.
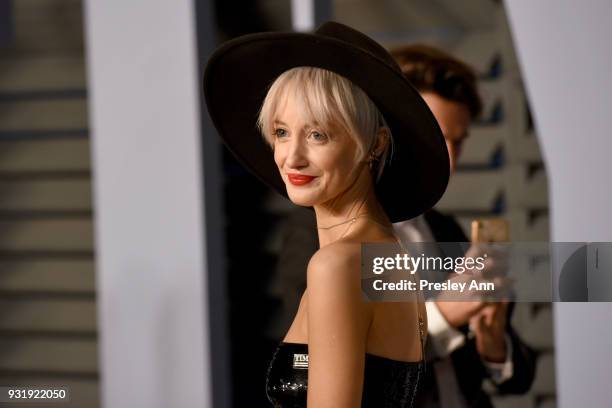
[[313, 125], [307, 127]]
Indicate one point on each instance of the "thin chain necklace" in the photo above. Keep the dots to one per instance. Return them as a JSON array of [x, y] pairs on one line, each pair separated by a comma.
[[351, 220]]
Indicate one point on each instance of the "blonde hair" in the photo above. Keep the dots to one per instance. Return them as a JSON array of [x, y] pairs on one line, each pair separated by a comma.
[[327, 98]]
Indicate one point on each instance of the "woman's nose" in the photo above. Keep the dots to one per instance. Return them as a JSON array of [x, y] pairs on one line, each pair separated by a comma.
[[296, 156]]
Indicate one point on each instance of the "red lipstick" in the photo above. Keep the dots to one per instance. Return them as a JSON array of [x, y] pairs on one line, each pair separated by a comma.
[[299, 179]]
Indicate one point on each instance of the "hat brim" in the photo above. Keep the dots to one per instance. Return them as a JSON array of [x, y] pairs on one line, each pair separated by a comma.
[[240, 72]]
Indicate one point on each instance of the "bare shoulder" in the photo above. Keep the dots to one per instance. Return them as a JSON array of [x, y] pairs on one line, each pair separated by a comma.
[[339, 261], [334, 284], [334, 279]]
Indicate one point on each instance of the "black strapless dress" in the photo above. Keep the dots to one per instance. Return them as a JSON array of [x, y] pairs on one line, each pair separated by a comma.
[[387, 383]]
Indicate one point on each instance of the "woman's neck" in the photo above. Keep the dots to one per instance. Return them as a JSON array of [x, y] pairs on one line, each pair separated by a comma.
[[346, 214]]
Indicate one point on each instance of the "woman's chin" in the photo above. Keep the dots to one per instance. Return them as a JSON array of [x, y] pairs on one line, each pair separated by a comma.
[[302, 199]]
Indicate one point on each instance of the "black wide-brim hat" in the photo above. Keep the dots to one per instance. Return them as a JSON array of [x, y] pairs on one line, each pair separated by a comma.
[[240, 72]]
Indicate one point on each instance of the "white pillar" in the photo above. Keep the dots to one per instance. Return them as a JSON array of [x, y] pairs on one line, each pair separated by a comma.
[[564, 51], [150, 242], [306, 15]]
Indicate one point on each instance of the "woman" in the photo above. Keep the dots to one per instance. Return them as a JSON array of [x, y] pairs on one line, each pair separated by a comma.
[[344, 133]]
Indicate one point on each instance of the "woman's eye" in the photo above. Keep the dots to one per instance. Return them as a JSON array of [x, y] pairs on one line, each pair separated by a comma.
[[279, 133], [318, 137]]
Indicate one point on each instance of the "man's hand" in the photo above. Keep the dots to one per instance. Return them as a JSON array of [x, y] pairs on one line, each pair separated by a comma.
[[464, 306], [458, 313], [489, 326]]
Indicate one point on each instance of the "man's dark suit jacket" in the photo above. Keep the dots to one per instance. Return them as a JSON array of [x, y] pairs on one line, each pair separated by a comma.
[[469, 370], [301, 242]]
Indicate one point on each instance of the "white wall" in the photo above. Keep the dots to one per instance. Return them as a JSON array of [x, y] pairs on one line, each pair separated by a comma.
[[564, 50], [150, 249]]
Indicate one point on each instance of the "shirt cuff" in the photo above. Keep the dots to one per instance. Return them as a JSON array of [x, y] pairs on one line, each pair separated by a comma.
[[500, 372], [444, 338]]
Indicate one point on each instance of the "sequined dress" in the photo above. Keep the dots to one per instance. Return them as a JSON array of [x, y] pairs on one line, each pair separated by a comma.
[[387, 383]]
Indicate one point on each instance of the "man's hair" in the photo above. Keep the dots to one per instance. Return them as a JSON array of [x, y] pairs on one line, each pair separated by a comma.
[[432, 70]]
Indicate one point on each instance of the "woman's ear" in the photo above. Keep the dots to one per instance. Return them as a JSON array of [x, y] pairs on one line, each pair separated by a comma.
[[383, 138]]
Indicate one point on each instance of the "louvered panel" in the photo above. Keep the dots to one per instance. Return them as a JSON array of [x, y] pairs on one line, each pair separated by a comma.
[[478, 49], [491, 93], [538, 229], [49, 27], [532, 280], [528, 149], [526, 189], [57, 155], [47, 311], [51, 315], [475, 14], [481, 146], [473, 191], [47, 275], [84, 392], [58, 234], [43, 115], [51, 354], [388, 17], [45, 195], [528, 227], [42, 73], [536, 191]]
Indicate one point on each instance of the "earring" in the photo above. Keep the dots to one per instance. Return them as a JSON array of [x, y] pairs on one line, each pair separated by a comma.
[[371, 159]]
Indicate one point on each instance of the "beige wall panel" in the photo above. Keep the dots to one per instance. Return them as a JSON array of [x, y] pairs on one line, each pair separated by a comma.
[[61, 234], [20, 156], [480, 147], [45, 195], [55, 315], [48, 275], [473, 191], [47, 27], [528, 149], [57, 355], [42, 73], [43, 115]]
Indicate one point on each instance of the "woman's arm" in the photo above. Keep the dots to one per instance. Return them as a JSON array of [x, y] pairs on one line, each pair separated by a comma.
[[338, 321]]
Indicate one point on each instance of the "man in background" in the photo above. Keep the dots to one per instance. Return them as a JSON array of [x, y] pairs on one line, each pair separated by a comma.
[[468, 341]]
